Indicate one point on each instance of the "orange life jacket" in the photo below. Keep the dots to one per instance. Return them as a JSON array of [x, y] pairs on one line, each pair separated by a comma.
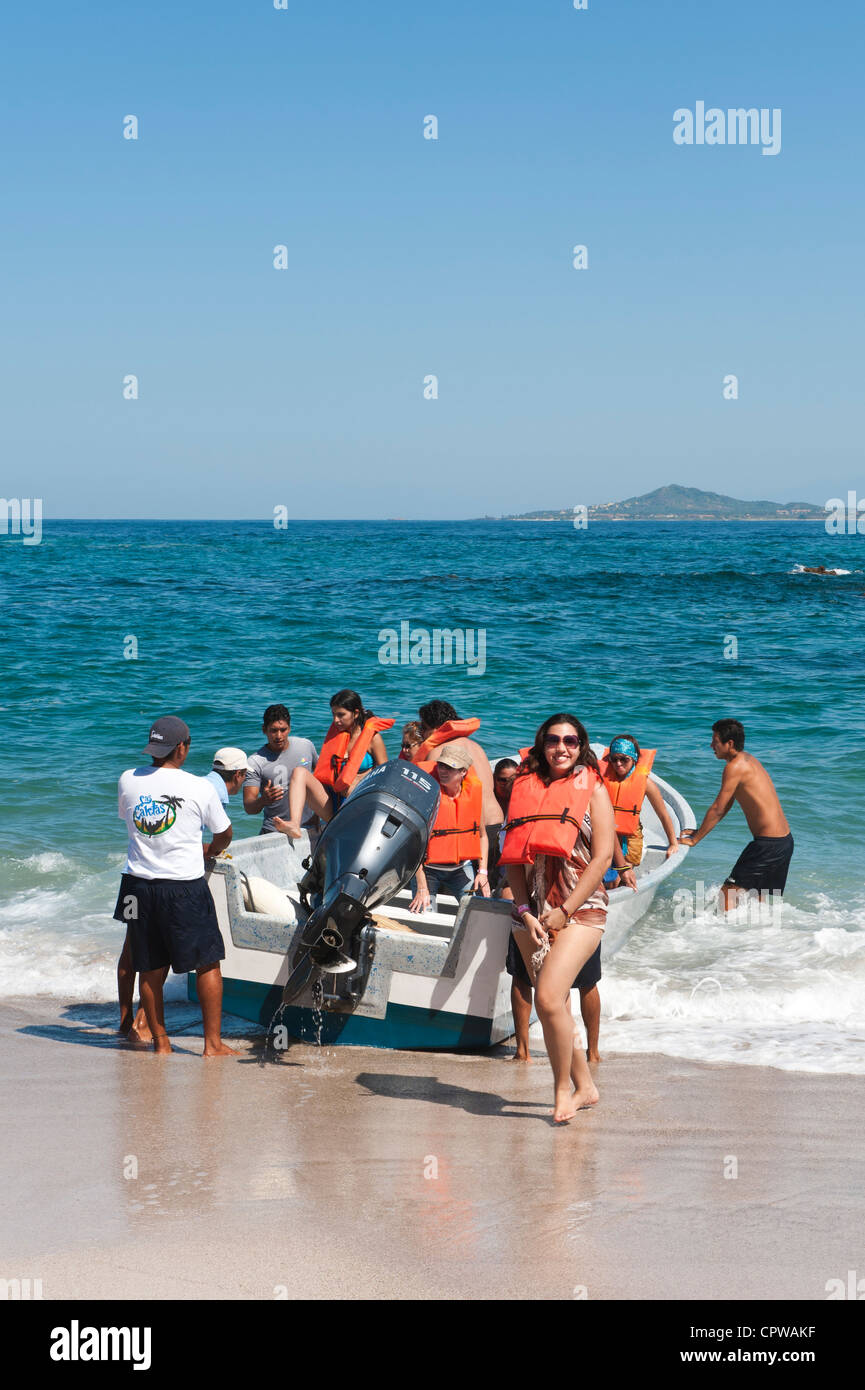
[[546, 819], [456, 834], [333, 768], [628, 796], [454, 728]]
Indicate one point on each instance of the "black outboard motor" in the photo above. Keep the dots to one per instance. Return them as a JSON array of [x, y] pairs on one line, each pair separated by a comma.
[[371, 849]]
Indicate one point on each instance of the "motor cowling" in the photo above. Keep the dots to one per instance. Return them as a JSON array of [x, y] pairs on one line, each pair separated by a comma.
[[370, 850]]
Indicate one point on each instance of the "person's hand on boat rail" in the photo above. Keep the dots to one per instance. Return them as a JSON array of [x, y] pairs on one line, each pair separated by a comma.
[[421, 900], [481, 884]]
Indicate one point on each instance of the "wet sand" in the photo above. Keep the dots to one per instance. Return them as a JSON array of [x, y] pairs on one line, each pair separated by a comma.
[[353, 1172]]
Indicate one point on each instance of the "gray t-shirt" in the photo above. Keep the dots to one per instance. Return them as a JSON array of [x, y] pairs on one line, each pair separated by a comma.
[[265, 765]]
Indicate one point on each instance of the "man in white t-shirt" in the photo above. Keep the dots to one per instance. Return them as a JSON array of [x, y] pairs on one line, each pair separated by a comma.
[[164, 898]]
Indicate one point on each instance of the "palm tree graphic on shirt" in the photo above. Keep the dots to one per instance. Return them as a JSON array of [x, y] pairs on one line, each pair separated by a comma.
[[149, 820]]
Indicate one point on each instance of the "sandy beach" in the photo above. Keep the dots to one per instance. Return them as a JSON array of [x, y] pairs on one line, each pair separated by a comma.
[[362, 1173]]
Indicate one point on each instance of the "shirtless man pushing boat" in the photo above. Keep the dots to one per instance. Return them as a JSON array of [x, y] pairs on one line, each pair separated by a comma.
[[763, 864]]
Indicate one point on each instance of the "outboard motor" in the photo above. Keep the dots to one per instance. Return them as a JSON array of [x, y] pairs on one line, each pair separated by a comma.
[[371, 849]]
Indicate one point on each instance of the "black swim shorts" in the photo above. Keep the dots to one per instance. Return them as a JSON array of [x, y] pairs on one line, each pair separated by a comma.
[[171, 921], [763, 864], [587, 978]]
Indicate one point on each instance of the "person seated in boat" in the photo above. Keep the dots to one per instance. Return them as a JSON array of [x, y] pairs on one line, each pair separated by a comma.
[[440, 724], [620, 873], [266, 785], [504, 773], [458, 840], [352, 747], [626, 770], [412, 738], [558, 845]]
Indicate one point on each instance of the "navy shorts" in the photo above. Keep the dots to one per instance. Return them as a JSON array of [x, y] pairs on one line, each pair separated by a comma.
[[587, 978], [174, 923], [763, 864]]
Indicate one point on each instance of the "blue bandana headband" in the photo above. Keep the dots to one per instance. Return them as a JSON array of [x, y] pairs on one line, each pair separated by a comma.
[[625, 746]]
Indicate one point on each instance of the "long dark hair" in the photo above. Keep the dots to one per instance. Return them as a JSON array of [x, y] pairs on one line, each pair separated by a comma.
[[350, 700], [537, 758]]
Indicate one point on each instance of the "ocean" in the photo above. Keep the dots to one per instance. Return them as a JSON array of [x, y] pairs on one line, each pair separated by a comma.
[[655, 629]]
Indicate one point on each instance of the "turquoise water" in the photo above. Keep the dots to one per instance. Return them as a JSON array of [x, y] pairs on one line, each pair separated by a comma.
[[625, 625]]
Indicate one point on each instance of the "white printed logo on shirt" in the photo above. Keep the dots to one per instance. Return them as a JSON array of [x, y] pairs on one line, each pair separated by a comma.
[[154, 817]]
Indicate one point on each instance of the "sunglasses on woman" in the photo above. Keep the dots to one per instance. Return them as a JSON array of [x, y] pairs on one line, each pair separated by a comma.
[[570, 741]]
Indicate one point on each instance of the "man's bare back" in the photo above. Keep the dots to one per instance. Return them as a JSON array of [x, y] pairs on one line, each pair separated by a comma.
[[750, 784], [763, 864], [746, 781]]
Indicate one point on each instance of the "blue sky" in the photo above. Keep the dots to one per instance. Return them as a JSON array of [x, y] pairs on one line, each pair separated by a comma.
[[304, 387]]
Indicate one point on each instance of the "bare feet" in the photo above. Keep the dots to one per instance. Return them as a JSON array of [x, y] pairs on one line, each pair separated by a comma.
[[221, 1049], [161, 1046], [522, 1054], [288, 827], [569, 1102], [141, 1028], [592, 1056]]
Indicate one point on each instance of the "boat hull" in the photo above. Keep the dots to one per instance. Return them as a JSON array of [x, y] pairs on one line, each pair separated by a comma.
[[404, 1027], [435, 981]]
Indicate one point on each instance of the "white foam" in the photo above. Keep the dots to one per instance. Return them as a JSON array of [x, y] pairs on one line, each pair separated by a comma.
[[48, 862], [800, 569], [787, 992], [61, 941]]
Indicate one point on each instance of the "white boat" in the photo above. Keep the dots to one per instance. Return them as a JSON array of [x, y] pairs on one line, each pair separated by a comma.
[[432, 981]]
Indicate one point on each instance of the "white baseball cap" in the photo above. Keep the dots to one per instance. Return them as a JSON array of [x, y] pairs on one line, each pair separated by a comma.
[[229, 760]]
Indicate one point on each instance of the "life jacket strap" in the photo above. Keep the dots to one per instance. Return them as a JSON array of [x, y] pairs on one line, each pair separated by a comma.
[[563, 819], [458, 830]]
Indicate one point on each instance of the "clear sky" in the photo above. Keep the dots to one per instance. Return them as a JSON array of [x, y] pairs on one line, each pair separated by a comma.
[[409, 257]]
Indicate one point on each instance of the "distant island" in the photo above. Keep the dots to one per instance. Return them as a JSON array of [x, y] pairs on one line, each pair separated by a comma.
[[676, 503]]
